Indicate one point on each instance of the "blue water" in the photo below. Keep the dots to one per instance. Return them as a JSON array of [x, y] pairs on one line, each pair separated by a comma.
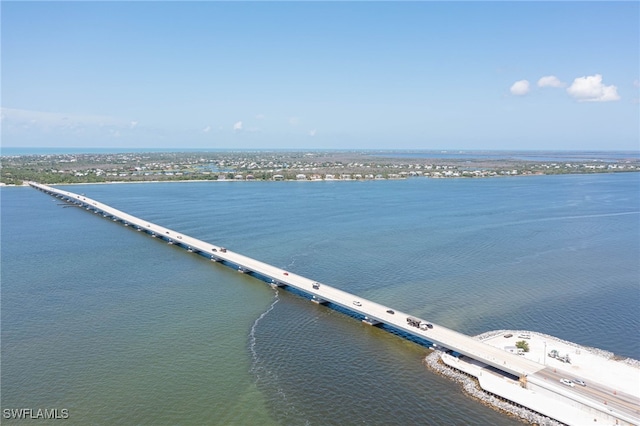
[[538, 156], [120, 328]]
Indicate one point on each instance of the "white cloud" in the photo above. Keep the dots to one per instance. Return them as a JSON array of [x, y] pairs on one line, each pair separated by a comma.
[[206, 129], [520, 88], [59, 120], [293, 121], [54, 124], [237, 127], [312, 132], [591, 89], [260, 117], [550, 81]]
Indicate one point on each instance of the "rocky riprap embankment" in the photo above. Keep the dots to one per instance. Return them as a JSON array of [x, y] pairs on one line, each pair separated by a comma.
[[471, 386]]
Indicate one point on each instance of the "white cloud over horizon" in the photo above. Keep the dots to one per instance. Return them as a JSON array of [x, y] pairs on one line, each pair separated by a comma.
[[62, 120], [45, 126], [237, 127], [520, 88], [550, 81], [591, 89], [583, 89]]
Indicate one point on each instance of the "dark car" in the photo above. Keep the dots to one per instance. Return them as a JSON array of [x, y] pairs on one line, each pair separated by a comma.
[[316, 285], [390, 311]]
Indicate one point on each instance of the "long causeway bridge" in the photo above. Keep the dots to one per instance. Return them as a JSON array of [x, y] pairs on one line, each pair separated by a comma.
[[373, 313]]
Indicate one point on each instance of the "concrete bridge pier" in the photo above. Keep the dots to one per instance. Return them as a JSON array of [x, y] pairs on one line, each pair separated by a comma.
[[276, 284], [318, 300], [370, 321]]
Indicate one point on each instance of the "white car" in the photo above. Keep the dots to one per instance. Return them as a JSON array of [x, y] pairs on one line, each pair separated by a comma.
[[567, 382], [579, 382], [357, 303]]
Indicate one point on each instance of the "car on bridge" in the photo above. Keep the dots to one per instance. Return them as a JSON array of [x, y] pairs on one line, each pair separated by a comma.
[[579, 382], [567, 382], [357, 303], [425, 325]]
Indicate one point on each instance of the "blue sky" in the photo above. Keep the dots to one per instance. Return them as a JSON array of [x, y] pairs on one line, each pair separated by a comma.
[[362, 75]]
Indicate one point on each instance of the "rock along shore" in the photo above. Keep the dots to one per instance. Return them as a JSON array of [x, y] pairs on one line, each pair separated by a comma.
[[471, 386]]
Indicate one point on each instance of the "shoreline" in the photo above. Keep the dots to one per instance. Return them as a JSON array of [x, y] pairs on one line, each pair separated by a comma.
[[26, 183], [302, 166]]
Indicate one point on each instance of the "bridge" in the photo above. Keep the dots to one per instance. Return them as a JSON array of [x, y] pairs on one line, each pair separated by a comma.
[[373, 313]]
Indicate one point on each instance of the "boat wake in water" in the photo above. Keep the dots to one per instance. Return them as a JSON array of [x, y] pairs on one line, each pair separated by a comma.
[[265, 378]]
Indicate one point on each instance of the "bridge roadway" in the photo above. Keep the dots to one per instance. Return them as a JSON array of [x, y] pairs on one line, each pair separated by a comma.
[[373, 312]]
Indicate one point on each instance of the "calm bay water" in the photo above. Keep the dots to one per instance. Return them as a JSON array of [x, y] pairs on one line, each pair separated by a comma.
[[119, 328]]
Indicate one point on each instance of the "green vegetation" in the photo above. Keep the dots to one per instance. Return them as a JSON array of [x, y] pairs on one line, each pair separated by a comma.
[[176, 166], [523, 344]]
